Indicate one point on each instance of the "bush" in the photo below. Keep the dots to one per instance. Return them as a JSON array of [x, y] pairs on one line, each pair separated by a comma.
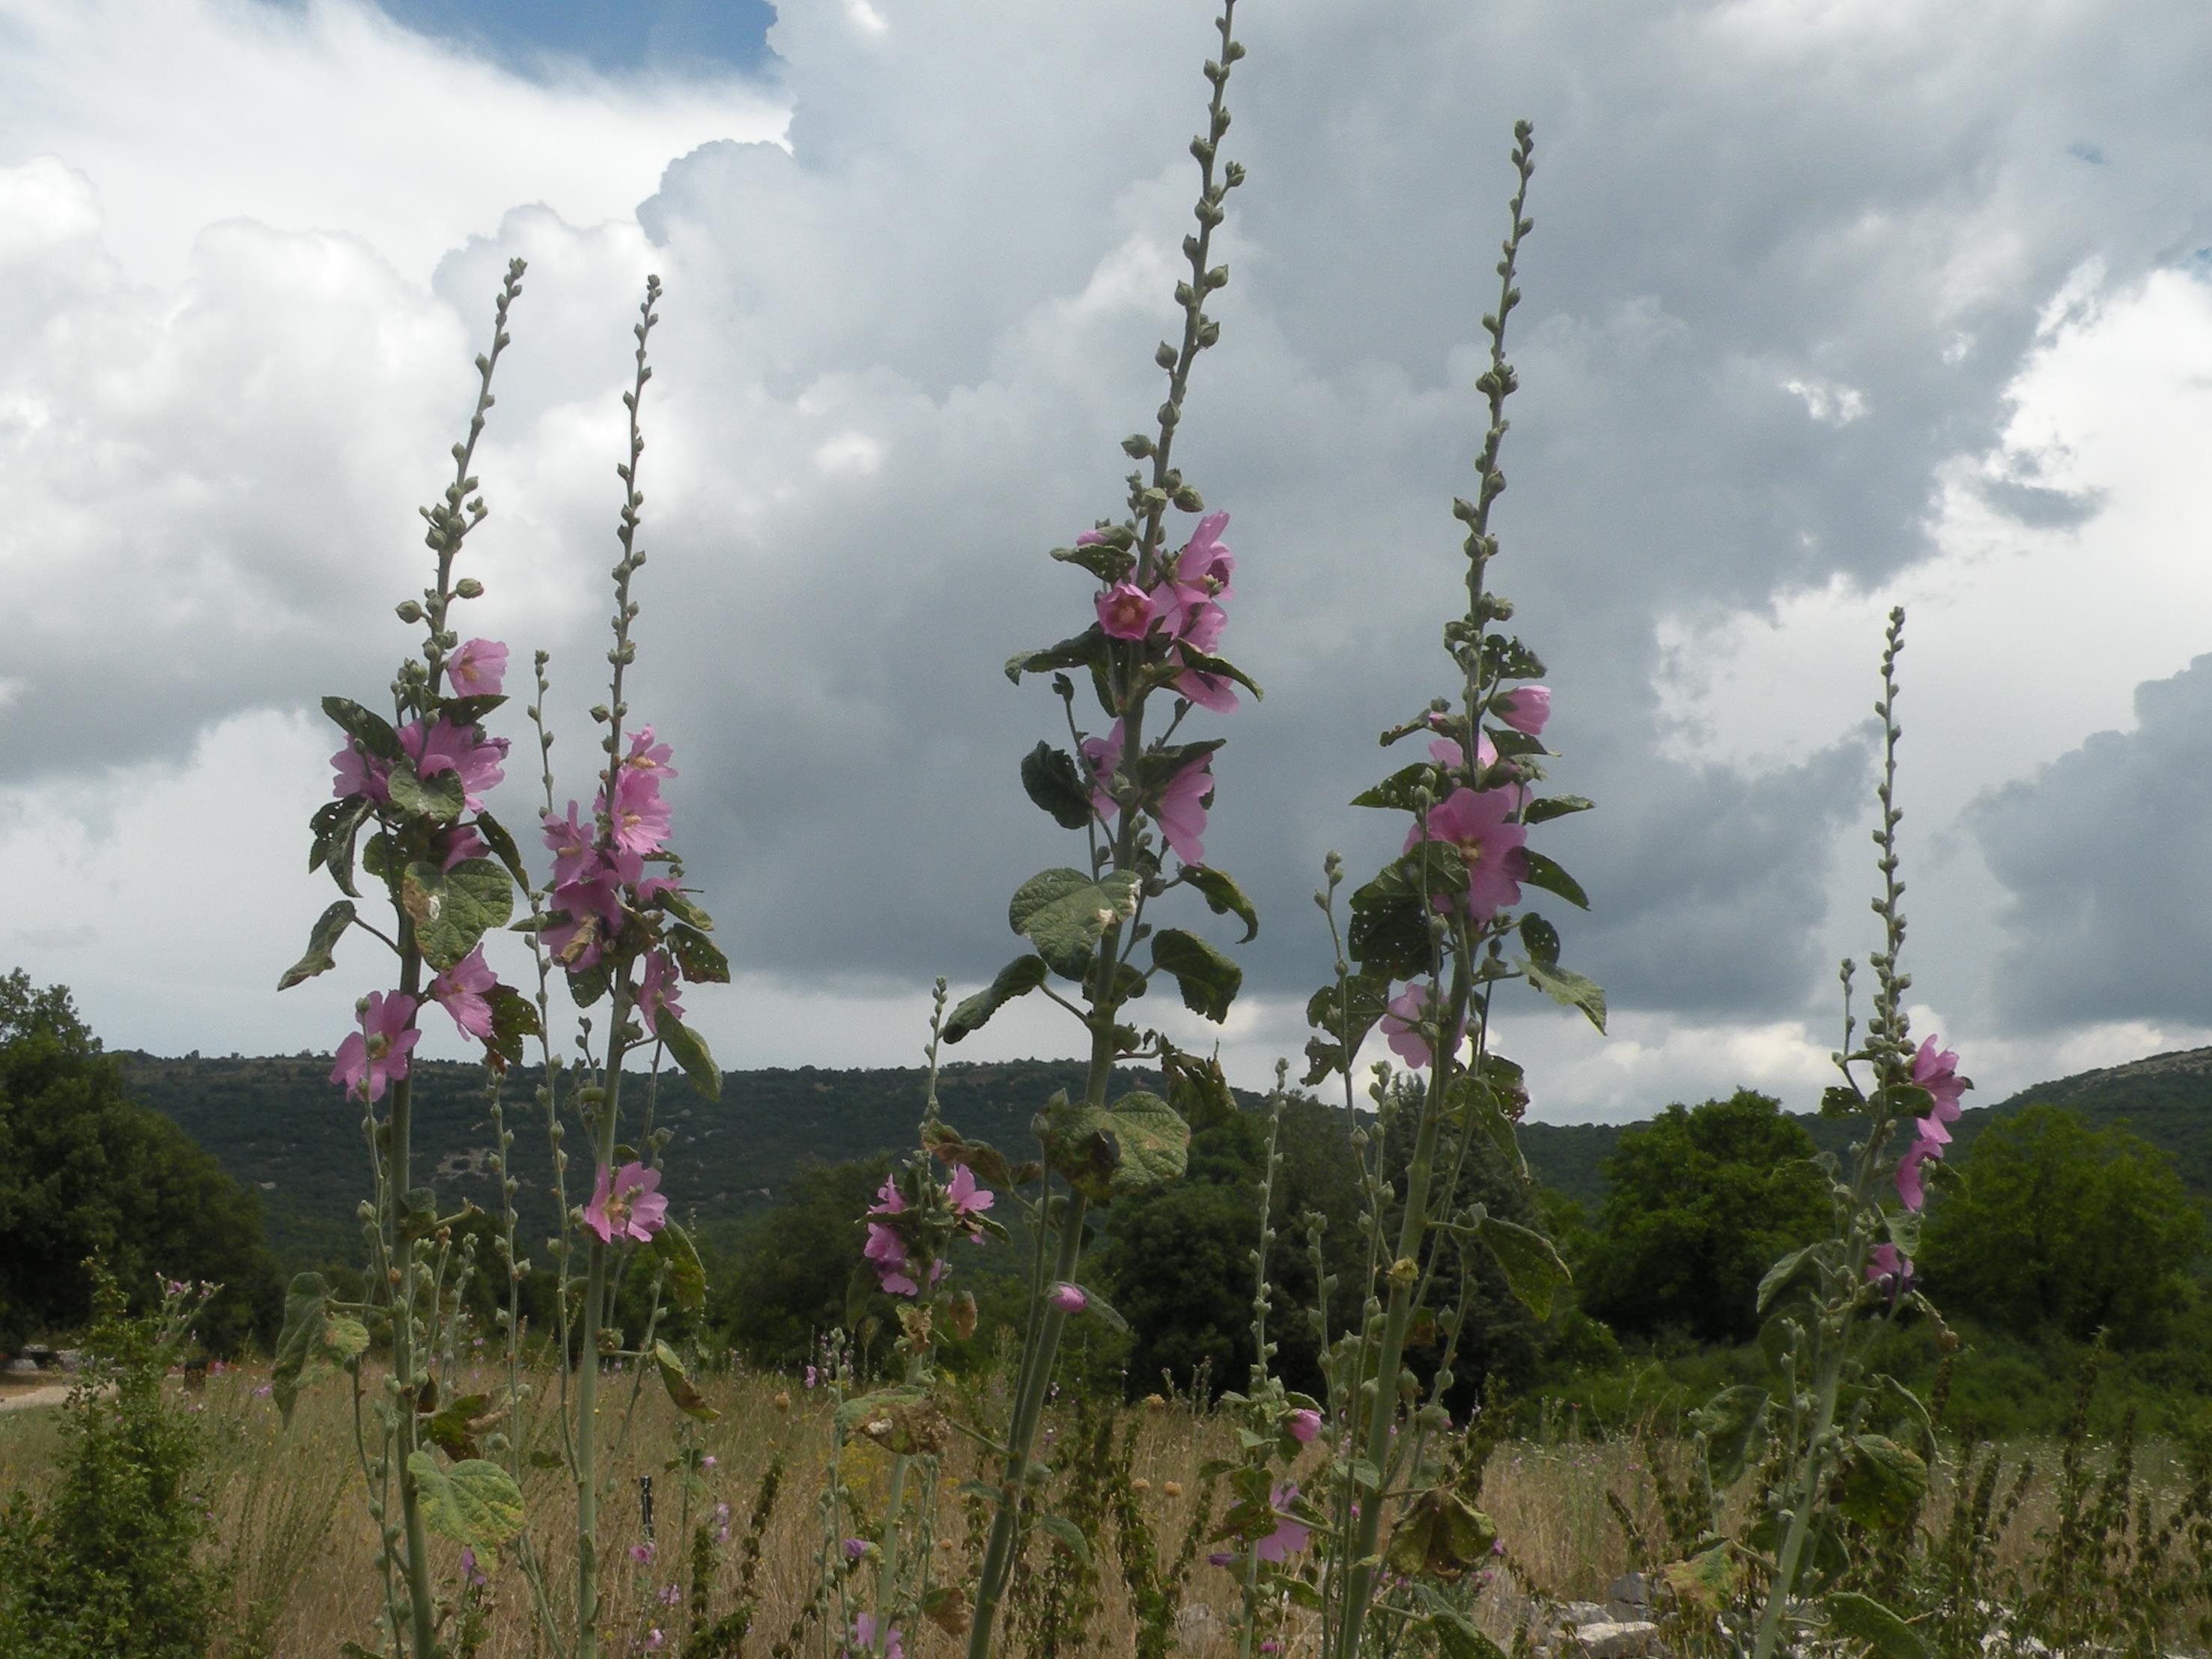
[[109, 1566]]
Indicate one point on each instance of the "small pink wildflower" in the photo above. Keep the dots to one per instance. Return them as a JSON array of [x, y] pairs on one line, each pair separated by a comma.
[[470, 1573], [656, 992], [855, 1548], [864, 1637], [1909, 1187], [1125, 611], [1401, 1015], [647, 756], [377, 1053], [641, 1554], [813, 1376], [477, 668], [639, 817], [1525, 709], [625, 1204], [570, 843], [1937, 1072], [461, 992], [1479, 824], [1304, 1424]]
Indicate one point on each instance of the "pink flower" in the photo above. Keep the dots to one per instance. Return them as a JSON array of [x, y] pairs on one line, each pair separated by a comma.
[[655, 1639], [461, 992], [595, 916], [1068, 1299], [864, 1637], [647, 756], [1478, 822], [377, 1054], [460, 843], [1091, 538], [855, 1548], [1885, 1261], [1182, 806], [1199, 576], [477, 668], [1450, 754], [1938, 1073], [1103, 755], [570, 843], [624, 1204], [969, 1201], [1908, 1186], [656, 993], [640, 1553], [1305, 1426], [359, 773], [1125, 611], [470, 1571], [450, 748], [1403, 1014], [813, 1376], [1202, 632], [1525, 709], [1290, 1535], [639, 817]]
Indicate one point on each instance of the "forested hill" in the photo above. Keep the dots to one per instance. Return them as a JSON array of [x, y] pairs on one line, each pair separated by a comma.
[[278, 1123]]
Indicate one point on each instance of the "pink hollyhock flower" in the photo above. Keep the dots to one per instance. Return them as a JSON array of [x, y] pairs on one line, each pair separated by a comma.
[[470, 1570], [1202, 632], [570, 843], [864, 1637], [639, 817], [1450, 754], [1068, 1299], [462, 843], [1091, 538], [656, 992], [1525, 709], [647, 756], [1125, 611], [1938, 1073], [813, 1376], [1182, 808], [1103, 755], [640, 1553], [450, 748], [885, 1248], [377, 1053], [1199, 576], [595, 917], [855, 1548], [1403, 1014], [655, 1639], [1290, 1535], [1909, 1187], [1886, 1261], [969, 1201], [461, 992], [359, 773], [624, 1204], [1479, 824], [477, 669], [1304, 1424]]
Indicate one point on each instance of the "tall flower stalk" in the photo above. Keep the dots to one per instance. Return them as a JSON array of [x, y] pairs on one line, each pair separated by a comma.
[[1437, 922], [1138, 792], [408, 813], [630, 939]]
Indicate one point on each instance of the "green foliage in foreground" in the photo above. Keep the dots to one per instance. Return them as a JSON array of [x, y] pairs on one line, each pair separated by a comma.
[[85, 1171], [110, 1565]]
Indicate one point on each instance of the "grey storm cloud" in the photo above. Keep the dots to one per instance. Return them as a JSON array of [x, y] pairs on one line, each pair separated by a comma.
[[2105, 855], [1784, 266]]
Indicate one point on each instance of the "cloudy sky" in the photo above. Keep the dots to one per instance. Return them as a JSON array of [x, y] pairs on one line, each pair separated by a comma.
[[1832, 304]]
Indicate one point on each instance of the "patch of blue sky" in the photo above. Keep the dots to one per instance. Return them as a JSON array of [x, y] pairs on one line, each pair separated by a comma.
[[536, 38]]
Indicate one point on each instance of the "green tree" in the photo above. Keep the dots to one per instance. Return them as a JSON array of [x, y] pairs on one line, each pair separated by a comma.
[[1699, 1202], [792, 1276], [86, 1172], [2065, 1227]]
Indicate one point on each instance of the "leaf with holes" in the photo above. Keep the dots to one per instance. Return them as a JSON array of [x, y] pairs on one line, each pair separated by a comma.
[[1109, 1152], [473, 1502], [689, 1051], [1064, 912], [1050, 777], [329, 927], [1208, 980], [1531, 1265], [1223, 898], [1017, 979], [452, 909]]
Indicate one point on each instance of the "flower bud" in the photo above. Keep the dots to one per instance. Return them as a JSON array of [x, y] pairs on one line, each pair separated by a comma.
[[408, 611], [468, 588]]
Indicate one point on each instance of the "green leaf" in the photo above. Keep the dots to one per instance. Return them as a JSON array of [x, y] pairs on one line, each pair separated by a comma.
[[336, 828], [1208, 980], [1733, 1422], [1505, 657], [440, 798], [1542, 939], [682, 1390], [1064, 912], [680, 905], [1112, 1152], [1017, 979], [502, 847], [1458, 1639], [1540, 871], [1220, 669], [1080, 651], [1223, 898], [1531, 1265], [473, 1502], [307, 1310], [1553, 806], [1570, 989], [344, 1339], [452, 1428], [1366, 996], [1904, 1228], [470, 711], [699, 958], [452, 909], [1197, 1088], [687, 1276], [1879, 1484], [1862, 1618], [513, 1017], [1399, 793], [321, 938], [1050, 777], [689, 1051], [949, 1147], [1102, 559], [1705, 1583], [1841, 1100], [1440, 1535], [1095, 1304], [903, 1421], [1782, 1274], [1389, 932], [1065, 1533], [373, 731]]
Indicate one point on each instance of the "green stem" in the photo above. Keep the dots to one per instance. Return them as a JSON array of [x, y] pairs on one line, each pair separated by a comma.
[[421, 1609], [587, 1368]]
